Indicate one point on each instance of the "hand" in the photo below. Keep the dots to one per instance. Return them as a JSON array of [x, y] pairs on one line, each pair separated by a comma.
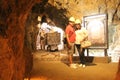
[[69, 46]]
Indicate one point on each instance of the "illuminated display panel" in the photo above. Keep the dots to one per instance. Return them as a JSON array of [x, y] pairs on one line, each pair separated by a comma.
[[96, 26]]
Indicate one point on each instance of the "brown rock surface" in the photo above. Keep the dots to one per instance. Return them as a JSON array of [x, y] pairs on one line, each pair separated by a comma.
[[13, 15]]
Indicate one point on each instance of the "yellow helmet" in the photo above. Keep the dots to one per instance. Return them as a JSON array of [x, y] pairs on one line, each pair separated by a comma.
[[72, 19], [78, 21]]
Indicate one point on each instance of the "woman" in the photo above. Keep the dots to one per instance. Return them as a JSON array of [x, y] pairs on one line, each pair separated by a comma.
[[81, 35]]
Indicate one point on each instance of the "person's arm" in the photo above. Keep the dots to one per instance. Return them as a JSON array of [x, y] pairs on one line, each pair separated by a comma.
[[68, 41], [67, 37]]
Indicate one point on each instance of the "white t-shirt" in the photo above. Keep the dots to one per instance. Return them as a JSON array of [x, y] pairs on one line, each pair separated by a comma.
[[80, 35], [45, 27]]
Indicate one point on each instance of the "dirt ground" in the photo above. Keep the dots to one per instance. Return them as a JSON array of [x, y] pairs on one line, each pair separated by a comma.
[[49, 66]]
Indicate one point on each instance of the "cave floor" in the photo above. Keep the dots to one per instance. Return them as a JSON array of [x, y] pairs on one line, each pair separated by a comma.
[[53, 66]]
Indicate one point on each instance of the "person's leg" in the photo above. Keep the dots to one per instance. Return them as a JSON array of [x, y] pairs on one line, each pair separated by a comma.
[[70, 56], [70, 59], [43, 44], [80, 56], [83, 57], [78, 50]]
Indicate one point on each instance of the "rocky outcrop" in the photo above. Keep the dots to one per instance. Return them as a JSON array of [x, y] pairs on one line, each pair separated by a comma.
[[80, 8], [13, 15]]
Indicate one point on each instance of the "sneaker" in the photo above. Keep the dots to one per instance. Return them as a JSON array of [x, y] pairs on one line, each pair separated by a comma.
[[73, 66], [80, 65], [83, 66]]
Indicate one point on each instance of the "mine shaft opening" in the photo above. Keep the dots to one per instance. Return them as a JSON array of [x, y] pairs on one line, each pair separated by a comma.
[[32, 38], [55, 19]]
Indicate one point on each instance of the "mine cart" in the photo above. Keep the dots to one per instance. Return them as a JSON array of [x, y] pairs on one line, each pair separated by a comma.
[[52, 40]]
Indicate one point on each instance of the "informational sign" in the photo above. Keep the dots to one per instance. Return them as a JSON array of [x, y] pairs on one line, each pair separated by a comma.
[[96, 26]]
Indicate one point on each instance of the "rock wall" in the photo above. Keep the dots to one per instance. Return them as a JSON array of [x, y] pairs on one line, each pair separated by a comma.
[[80, 8], [13, 15]]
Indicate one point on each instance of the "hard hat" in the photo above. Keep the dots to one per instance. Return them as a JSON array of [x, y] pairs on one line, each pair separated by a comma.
[[72, 19], [77, 21]]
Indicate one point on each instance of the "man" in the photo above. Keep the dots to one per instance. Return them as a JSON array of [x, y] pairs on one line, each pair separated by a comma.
[[45, 28], [70, 36]]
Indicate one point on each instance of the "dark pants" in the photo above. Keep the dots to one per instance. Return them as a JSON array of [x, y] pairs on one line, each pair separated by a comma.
[[81, 53]]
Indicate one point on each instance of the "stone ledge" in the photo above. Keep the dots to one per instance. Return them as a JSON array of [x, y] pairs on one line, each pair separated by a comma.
[[64, 58]]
